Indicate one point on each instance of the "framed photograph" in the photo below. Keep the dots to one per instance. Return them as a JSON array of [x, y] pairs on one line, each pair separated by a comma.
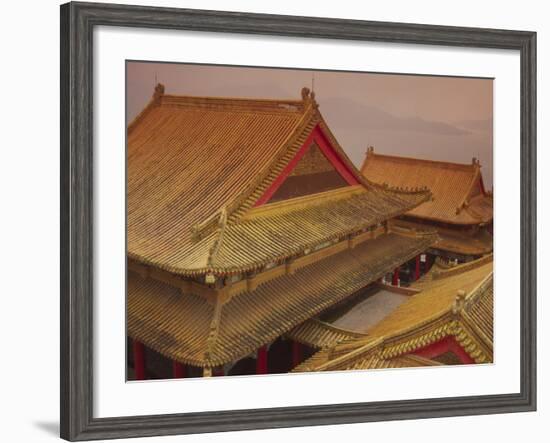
[[273, 221]]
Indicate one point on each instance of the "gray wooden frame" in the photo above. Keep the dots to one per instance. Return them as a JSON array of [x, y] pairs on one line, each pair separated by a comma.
[[77, 24]]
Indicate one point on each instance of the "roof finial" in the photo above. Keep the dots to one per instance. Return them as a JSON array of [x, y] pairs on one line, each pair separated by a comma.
[[308, 97], [370, 150], [459, 301], [159, 91]]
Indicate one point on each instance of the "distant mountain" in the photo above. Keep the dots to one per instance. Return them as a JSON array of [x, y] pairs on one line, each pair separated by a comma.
[[485, 125], [349, 113]]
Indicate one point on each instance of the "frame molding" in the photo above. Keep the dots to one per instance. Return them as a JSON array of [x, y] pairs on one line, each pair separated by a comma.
[[77, 24]]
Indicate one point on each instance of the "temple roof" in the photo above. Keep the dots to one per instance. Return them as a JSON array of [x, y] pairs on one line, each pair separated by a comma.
[[351, 319], [457, 189], [188, 328], [197, 166], [456, 302], [457, 241]]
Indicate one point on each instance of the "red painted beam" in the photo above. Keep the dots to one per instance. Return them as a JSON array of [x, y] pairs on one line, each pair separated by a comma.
[[261, 360], [139, 360], [333, 157], [178, 370], [319, 138], [482, 186], [448, 344], [297, 354]]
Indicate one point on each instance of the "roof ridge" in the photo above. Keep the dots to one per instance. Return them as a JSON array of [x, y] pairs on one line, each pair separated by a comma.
[[404, 159], [222, 223], [278, 104], [154, 101], [214, 330], [298, 203], [233, 102], [464, 267], [467, 197], [367, 345], [325, 129], [475, 293]]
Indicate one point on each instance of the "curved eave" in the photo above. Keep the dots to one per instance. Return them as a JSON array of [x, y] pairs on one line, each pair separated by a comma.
[[178, 324], [442, 245], [285, 230], [449, 221]]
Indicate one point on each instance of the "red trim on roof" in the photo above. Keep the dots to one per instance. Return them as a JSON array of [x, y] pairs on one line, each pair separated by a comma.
[[448, 344], [330, 153], [481, 185]]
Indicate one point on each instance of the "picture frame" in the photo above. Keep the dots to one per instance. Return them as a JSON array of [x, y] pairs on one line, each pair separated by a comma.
[[78, 21]]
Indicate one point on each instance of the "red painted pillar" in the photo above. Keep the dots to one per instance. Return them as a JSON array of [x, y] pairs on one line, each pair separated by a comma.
[[218, 372], [261, 360], [139, 360], [417, 268], [296, 353], [395, 279], [178, 369]]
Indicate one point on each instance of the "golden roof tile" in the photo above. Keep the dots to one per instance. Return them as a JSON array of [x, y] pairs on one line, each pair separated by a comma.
[[429, 316], [457, 189], [189, 329], [197, 165], [319, 334], [457, 241]]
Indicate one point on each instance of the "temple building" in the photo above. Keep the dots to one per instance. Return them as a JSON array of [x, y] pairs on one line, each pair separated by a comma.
[[245, 220], [460, 209], [445, 319]]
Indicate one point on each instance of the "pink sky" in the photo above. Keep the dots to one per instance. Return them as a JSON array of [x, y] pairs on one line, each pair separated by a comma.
[[437, 118]]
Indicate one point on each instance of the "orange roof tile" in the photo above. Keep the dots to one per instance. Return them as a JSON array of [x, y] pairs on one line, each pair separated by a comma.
[[319, 334], [456, 193], [458, 241], [431, 315], [187, 328], [197, 165]]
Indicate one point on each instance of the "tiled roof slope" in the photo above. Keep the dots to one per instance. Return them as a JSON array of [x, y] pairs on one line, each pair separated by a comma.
[[319, 334], [429, 316], [197, 165], [459, 241], [457, 197], [273, 232], [187, 328]]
